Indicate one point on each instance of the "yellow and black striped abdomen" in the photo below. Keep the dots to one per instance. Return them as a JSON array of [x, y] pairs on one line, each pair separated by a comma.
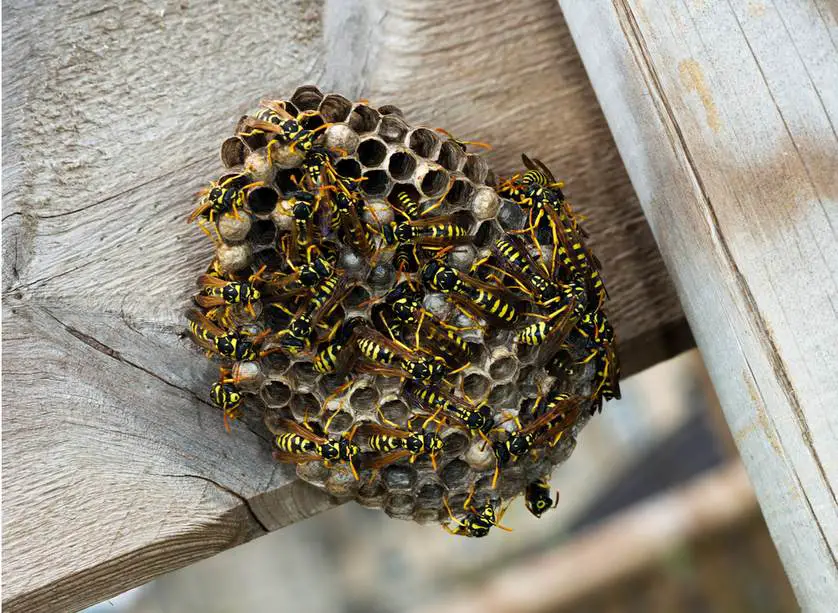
[[385, 444], [408, 205], [534, 334], [376, 352], [536, 177], [495, 305], [293, 443]]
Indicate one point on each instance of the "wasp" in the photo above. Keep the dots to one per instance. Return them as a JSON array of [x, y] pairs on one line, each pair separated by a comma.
[[538, 497], [408, 206], [217, 292], [346, 203], [395, 444], [233, 345], [300, 444], [406, 258], [553, 328], [559, 410], [596, 333], [228, 398], [301, 278], [476, 523], [298, 335], [228, 194], [274, 119], [404, 305], [333, 357], [433, 400], [392, 358], [474, 296], [429, 232], [303, 207], [515, 262]]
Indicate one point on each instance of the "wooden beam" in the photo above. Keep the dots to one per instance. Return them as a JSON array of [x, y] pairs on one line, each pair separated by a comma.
[[725, 114], [115, 467]]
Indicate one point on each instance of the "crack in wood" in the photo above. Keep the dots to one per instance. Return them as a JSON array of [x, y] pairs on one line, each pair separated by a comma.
[[244, 501]]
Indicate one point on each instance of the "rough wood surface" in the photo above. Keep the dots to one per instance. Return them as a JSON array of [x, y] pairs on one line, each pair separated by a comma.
[[725, 114], [115, 468]]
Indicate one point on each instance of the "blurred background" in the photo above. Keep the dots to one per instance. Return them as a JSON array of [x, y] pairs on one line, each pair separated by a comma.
[[655, 514]]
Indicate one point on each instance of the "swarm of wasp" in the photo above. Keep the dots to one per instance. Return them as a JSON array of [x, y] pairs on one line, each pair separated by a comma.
[[418, 335]]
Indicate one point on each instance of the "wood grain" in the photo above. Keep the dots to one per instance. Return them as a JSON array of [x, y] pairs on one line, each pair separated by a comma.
[[726, 115], [116, 469]]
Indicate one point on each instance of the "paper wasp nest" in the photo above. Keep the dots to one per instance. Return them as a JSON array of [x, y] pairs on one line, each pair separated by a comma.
[[391, 156]]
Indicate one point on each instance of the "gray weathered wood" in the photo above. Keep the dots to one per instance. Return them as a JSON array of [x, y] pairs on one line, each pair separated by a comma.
[[115, 468], [725, 114]]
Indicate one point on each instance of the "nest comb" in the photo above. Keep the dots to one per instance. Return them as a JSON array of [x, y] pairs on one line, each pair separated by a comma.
[[390, 157]]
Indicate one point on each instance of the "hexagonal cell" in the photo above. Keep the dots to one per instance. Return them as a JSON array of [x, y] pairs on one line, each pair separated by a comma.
[[392, 129], [349, 168], [275, 363], [335, 108], [364, 399], [462, 256], [276, 394], [526, 353], [341, 140], [339, 422], [434, 182], [487, 233], [381, 276], [479, 455], [232, 258], [262, 200], [304, 407], [401, 165], [287, 180], [371, 493], [451, 155], [476, 385], [399, 477], [312, 122], [503, 368], [428, 516], [262, 233], [341, 483], [377, 212], [376, 182], [306, 98], [329, 385], [485, 203], [424, 142], [315, 473], [234, 228], [389, 109], [460, 193], [502, 394], [454, 443], [302, 372], [399, 504], [363, 119], [454, 474], [475, 168], [511, 216], [371, 152], [430, 495], [395, 410], [233, 152]]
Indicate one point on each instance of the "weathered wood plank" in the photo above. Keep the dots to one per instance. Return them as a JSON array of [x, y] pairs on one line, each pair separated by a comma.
[[115, 468], [726, 115]]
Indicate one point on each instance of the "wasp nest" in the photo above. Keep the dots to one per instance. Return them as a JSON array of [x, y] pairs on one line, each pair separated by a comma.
[[420, 337]]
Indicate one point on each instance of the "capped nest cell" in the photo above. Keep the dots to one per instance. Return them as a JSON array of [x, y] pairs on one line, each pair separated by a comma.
[[419, 335]]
